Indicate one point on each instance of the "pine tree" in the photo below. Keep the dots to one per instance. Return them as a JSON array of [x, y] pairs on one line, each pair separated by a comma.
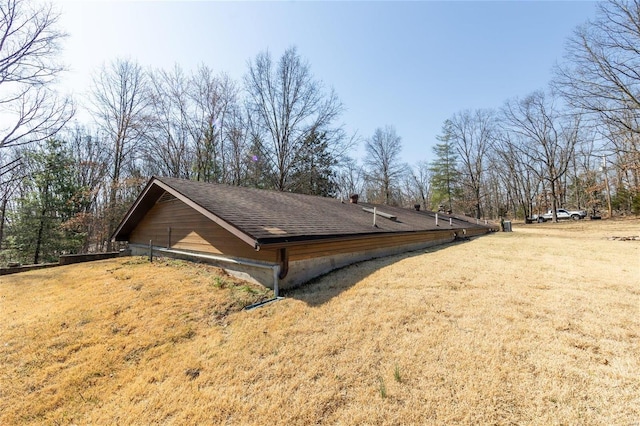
[[313, 172], [259, 174], [50, 199], [445, 177]]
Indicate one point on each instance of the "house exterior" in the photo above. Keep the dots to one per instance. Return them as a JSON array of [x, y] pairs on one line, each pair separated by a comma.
[[278, 239]]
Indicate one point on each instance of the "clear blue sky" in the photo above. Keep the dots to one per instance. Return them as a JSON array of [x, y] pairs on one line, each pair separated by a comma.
[[407, 64]]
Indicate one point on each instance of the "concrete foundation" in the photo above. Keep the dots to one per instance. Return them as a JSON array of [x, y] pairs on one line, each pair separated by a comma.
[[302, 271], [245, 269]]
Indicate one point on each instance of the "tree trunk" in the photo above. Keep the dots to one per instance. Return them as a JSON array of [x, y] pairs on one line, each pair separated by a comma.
[[110, 216], [554, 203], [36, 256], [3, 210]]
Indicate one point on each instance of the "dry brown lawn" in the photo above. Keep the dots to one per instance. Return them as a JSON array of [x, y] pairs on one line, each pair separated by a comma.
[[539, 326]]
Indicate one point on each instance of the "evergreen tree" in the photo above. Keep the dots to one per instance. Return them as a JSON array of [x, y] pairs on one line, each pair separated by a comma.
[[445, 177], [259, 174], [50, 199], [313, 172]]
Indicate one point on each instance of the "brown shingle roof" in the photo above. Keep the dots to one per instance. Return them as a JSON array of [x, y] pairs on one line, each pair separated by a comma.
[[269, 217]]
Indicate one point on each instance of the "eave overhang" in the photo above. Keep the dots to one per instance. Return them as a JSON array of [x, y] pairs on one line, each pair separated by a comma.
[[283, 242]]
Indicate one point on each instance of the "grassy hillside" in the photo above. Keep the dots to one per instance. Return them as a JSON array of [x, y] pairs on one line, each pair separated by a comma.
[[538, 326]]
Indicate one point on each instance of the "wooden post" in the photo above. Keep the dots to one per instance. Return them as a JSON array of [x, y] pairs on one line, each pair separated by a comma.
[[150, 251], [169, 238]]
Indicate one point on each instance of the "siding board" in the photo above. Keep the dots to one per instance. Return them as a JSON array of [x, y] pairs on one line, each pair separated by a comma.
[[192, 231], [319, 249]]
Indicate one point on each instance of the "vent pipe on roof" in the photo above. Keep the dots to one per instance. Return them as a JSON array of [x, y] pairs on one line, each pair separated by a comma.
[[378, 213], [353, 199]]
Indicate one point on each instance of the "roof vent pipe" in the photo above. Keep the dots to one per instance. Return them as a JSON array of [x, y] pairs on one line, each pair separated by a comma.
[[353, 199]]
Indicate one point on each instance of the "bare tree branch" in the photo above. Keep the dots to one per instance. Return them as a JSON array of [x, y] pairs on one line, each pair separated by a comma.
[[29, 44], [288, 106]]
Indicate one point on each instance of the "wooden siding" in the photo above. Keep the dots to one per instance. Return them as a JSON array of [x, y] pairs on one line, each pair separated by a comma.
[[192, 231], [319, 249], [474, 232]]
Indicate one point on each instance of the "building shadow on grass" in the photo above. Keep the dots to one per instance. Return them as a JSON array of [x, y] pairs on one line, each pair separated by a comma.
[[322, 289]]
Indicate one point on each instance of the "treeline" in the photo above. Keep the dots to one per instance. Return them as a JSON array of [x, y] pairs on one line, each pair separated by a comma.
[[64, 186]]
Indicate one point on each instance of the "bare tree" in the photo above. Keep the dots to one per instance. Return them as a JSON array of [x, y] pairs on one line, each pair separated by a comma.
[[29, 46], [546, 139], [168, 149], [238, 134], [120, 99], [601, 72], [287, 106], [216, 127], [196, 127], [623, 150], [418, 184], [382, 163], [601, 76], [12, 172], [90, 164], [472, 133], [513, 171], [350, 178]]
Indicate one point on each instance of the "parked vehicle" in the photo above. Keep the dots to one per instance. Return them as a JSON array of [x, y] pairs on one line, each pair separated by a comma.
[[561, 214]]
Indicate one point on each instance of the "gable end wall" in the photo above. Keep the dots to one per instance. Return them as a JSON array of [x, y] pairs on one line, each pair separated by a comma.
[[191, 231]]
